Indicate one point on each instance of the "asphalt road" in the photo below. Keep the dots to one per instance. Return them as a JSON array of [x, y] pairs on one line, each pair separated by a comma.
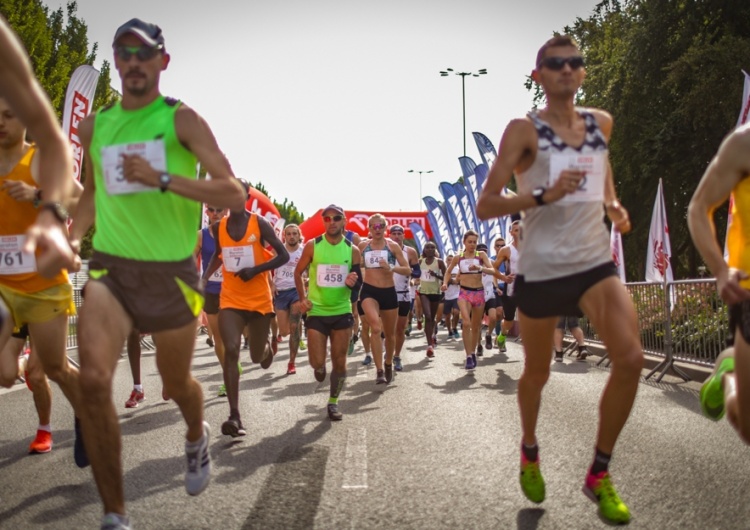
[[438, 448]]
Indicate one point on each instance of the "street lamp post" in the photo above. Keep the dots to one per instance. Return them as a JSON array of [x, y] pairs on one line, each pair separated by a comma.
[[420, 184], [446, 73]]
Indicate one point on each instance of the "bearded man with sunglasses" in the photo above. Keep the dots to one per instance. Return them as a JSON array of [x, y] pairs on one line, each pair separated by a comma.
[[141, 185], [334, 272], [559, 157]]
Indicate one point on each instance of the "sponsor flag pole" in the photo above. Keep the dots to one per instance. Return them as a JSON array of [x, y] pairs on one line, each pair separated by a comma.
[[615, 244], [79, 99]]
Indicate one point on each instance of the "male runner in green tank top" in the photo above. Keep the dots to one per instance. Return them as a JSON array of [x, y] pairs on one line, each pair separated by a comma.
[[334, 273], [141, 183]]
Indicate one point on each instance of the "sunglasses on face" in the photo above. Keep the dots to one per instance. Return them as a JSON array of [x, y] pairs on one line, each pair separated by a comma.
[[214, 210], [558, 63], [498, 245], [397, 232], [334, 218], [378, 226], [142, 53]]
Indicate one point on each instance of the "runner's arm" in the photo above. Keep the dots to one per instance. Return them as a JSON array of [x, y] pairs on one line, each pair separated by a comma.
[[304, 262]]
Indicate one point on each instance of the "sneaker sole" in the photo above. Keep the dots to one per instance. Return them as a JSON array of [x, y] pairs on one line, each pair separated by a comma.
[[588, 492]]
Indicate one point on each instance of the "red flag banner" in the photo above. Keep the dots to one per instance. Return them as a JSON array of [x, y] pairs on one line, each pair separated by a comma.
[[78, 101], [658, 267], [356, 221]]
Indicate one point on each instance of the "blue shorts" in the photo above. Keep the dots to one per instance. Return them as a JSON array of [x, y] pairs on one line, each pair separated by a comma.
[[284, 299]]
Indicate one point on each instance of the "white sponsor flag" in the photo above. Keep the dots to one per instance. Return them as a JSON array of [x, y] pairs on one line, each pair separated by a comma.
[[618, 257], [745, 109], [78, 101], [658, 268]]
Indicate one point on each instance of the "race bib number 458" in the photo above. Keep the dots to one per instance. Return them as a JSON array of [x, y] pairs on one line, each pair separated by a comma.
[[332, 275], [12, 260]]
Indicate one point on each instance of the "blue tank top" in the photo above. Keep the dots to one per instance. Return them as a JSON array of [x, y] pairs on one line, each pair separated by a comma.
[[369, 256], [208, 245]]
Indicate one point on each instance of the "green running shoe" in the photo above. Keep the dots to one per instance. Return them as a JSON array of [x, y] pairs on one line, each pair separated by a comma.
[[532, 482], [222, 391], [302, 344], [599, 488], [712, 391], [501, 342], [239, 367]]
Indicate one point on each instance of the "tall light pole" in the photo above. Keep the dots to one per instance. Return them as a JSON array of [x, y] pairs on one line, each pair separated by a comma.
[[420, 184], [449, 71]]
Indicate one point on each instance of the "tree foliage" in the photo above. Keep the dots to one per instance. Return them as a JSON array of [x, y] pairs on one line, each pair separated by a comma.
[[670, 72], [287, 209]]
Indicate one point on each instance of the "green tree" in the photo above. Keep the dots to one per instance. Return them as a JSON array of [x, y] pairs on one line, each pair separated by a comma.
[[287, 209]]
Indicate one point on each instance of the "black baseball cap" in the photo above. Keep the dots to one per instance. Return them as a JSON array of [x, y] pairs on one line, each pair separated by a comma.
[[481, 246], [150, 34], [333, 207]]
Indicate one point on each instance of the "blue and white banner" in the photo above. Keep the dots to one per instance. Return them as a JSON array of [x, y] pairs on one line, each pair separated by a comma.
[[450, 205], [420, 237], [463, 201], [488, 226], [467, 166], [486, 149], [439, 226]]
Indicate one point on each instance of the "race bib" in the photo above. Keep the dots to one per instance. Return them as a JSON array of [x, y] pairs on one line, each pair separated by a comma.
[[285, 273], [238, 258], [332, 275], [217, 276], [114, 180], [591, 188], [373, 257], [465, 264], [427, 276], [12, 260]]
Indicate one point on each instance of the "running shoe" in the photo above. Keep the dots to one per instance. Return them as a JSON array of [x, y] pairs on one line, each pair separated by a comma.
[[291, 369], [430, 353], [42, 442], [135, 398], [233, 427], [558, 356], [246, 345], [474, 359], [480, 351], [532, 482], [470, 363], [599, 488], [351, 346], [210, 341], [434, 339], [198, 472], [501, 343], [368, 360], [456, 334], [582, 354], [279, 338], [302, 344], [380, 378], [419, 324], [114, 521], [712, 391], [320, 374], [239, 367], [407, 331], [397, 364], [388, 373], [270, 352], [222, 391], [79, 450], [333, 412], [488, 341]]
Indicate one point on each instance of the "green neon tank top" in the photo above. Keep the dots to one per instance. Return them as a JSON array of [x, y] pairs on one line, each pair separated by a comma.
[[136, 222], [328, 270]]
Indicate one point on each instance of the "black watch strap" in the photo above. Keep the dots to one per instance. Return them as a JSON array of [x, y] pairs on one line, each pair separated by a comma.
[[57, 209]]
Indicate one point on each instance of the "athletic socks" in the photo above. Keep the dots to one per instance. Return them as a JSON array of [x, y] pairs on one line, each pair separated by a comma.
[[45, 428], [601, 462], [531, 452], [138, 388], [337, 383]]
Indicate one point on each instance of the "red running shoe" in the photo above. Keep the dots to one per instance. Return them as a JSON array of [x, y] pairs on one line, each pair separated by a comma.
[[135, 398], [42, 443]]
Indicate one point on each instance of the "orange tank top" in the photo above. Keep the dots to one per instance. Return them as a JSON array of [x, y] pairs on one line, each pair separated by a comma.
[[253, 295], [18, 270]]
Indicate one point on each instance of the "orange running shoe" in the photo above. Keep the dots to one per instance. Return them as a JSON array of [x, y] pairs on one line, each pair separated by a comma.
[[42, 443]]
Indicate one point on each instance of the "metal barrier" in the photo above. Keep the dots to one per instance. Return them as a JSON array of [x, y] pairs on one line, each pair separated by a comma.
[[683, 320]]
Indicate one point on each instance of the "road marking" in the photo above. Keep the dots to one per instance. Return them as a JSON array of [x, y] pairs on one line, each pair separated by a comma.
[[355, 465]]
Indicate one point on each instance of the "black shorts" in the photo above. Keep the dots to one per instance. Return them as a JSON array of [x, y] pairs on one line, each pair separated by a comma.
[[510, 304], [570, 322], [22, 333], [490, 303], [325, 325], [739, 318], [450, 305], [404, 308], [433, 298], [552, 298], [384, 296], [211, 307], [157, 295]]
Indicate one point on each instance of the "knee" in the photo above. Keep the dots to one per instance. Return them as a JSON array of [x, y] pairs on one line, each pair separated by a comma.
[[37, 379], [95, 384], [376, 330], [536, 377], [629, 363]]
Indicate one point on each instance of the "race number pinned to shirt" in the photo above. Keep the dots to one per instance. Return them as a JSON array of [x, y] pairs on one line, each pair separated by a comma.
[[332, 275], [12, 260], [427, 276], [465, 265], [238, 258], [217, 276], [591, 188], [114, 180], [373, 257]]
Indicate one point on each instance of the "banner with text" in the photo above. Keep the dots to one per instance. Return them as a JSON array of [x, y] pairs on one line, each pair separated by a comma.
[[439, 225], [78, 101]]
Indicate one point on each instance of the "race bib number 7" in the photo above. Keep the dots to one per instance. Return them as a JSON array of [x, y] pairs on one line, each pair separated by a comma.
[[238, 258], [332, 275], [112, 155], [591, 188], [12, 260]]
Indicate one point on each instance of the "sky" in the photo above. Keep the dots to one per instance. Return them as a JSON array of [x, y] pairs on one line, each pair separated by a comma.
[[334, 101]]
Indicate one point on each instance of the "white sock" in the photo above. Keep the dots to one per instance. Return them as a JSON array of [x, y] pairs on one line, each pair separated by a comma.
[[45, 428], [138, 388]]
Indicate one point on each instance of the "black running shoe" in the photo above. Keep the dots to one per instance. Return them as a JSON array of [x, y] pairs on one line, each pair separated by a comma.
[[558, 356], [380, 379], [480, 350], [210, 342], [233, 427], [488, 342], [79, 450], [582, 354], [388, 373], [320, 374], [333, 412], [270, 352]]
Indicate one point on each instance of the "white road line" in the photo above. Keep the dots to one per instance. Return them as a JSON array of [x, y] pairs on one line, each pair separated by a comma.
[[355, 466]]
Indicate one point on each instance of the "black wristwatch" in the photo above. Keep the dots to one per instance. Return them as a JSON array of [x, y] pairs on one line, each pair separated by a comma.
[[538, 195], [165, 179], [57, 209]]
